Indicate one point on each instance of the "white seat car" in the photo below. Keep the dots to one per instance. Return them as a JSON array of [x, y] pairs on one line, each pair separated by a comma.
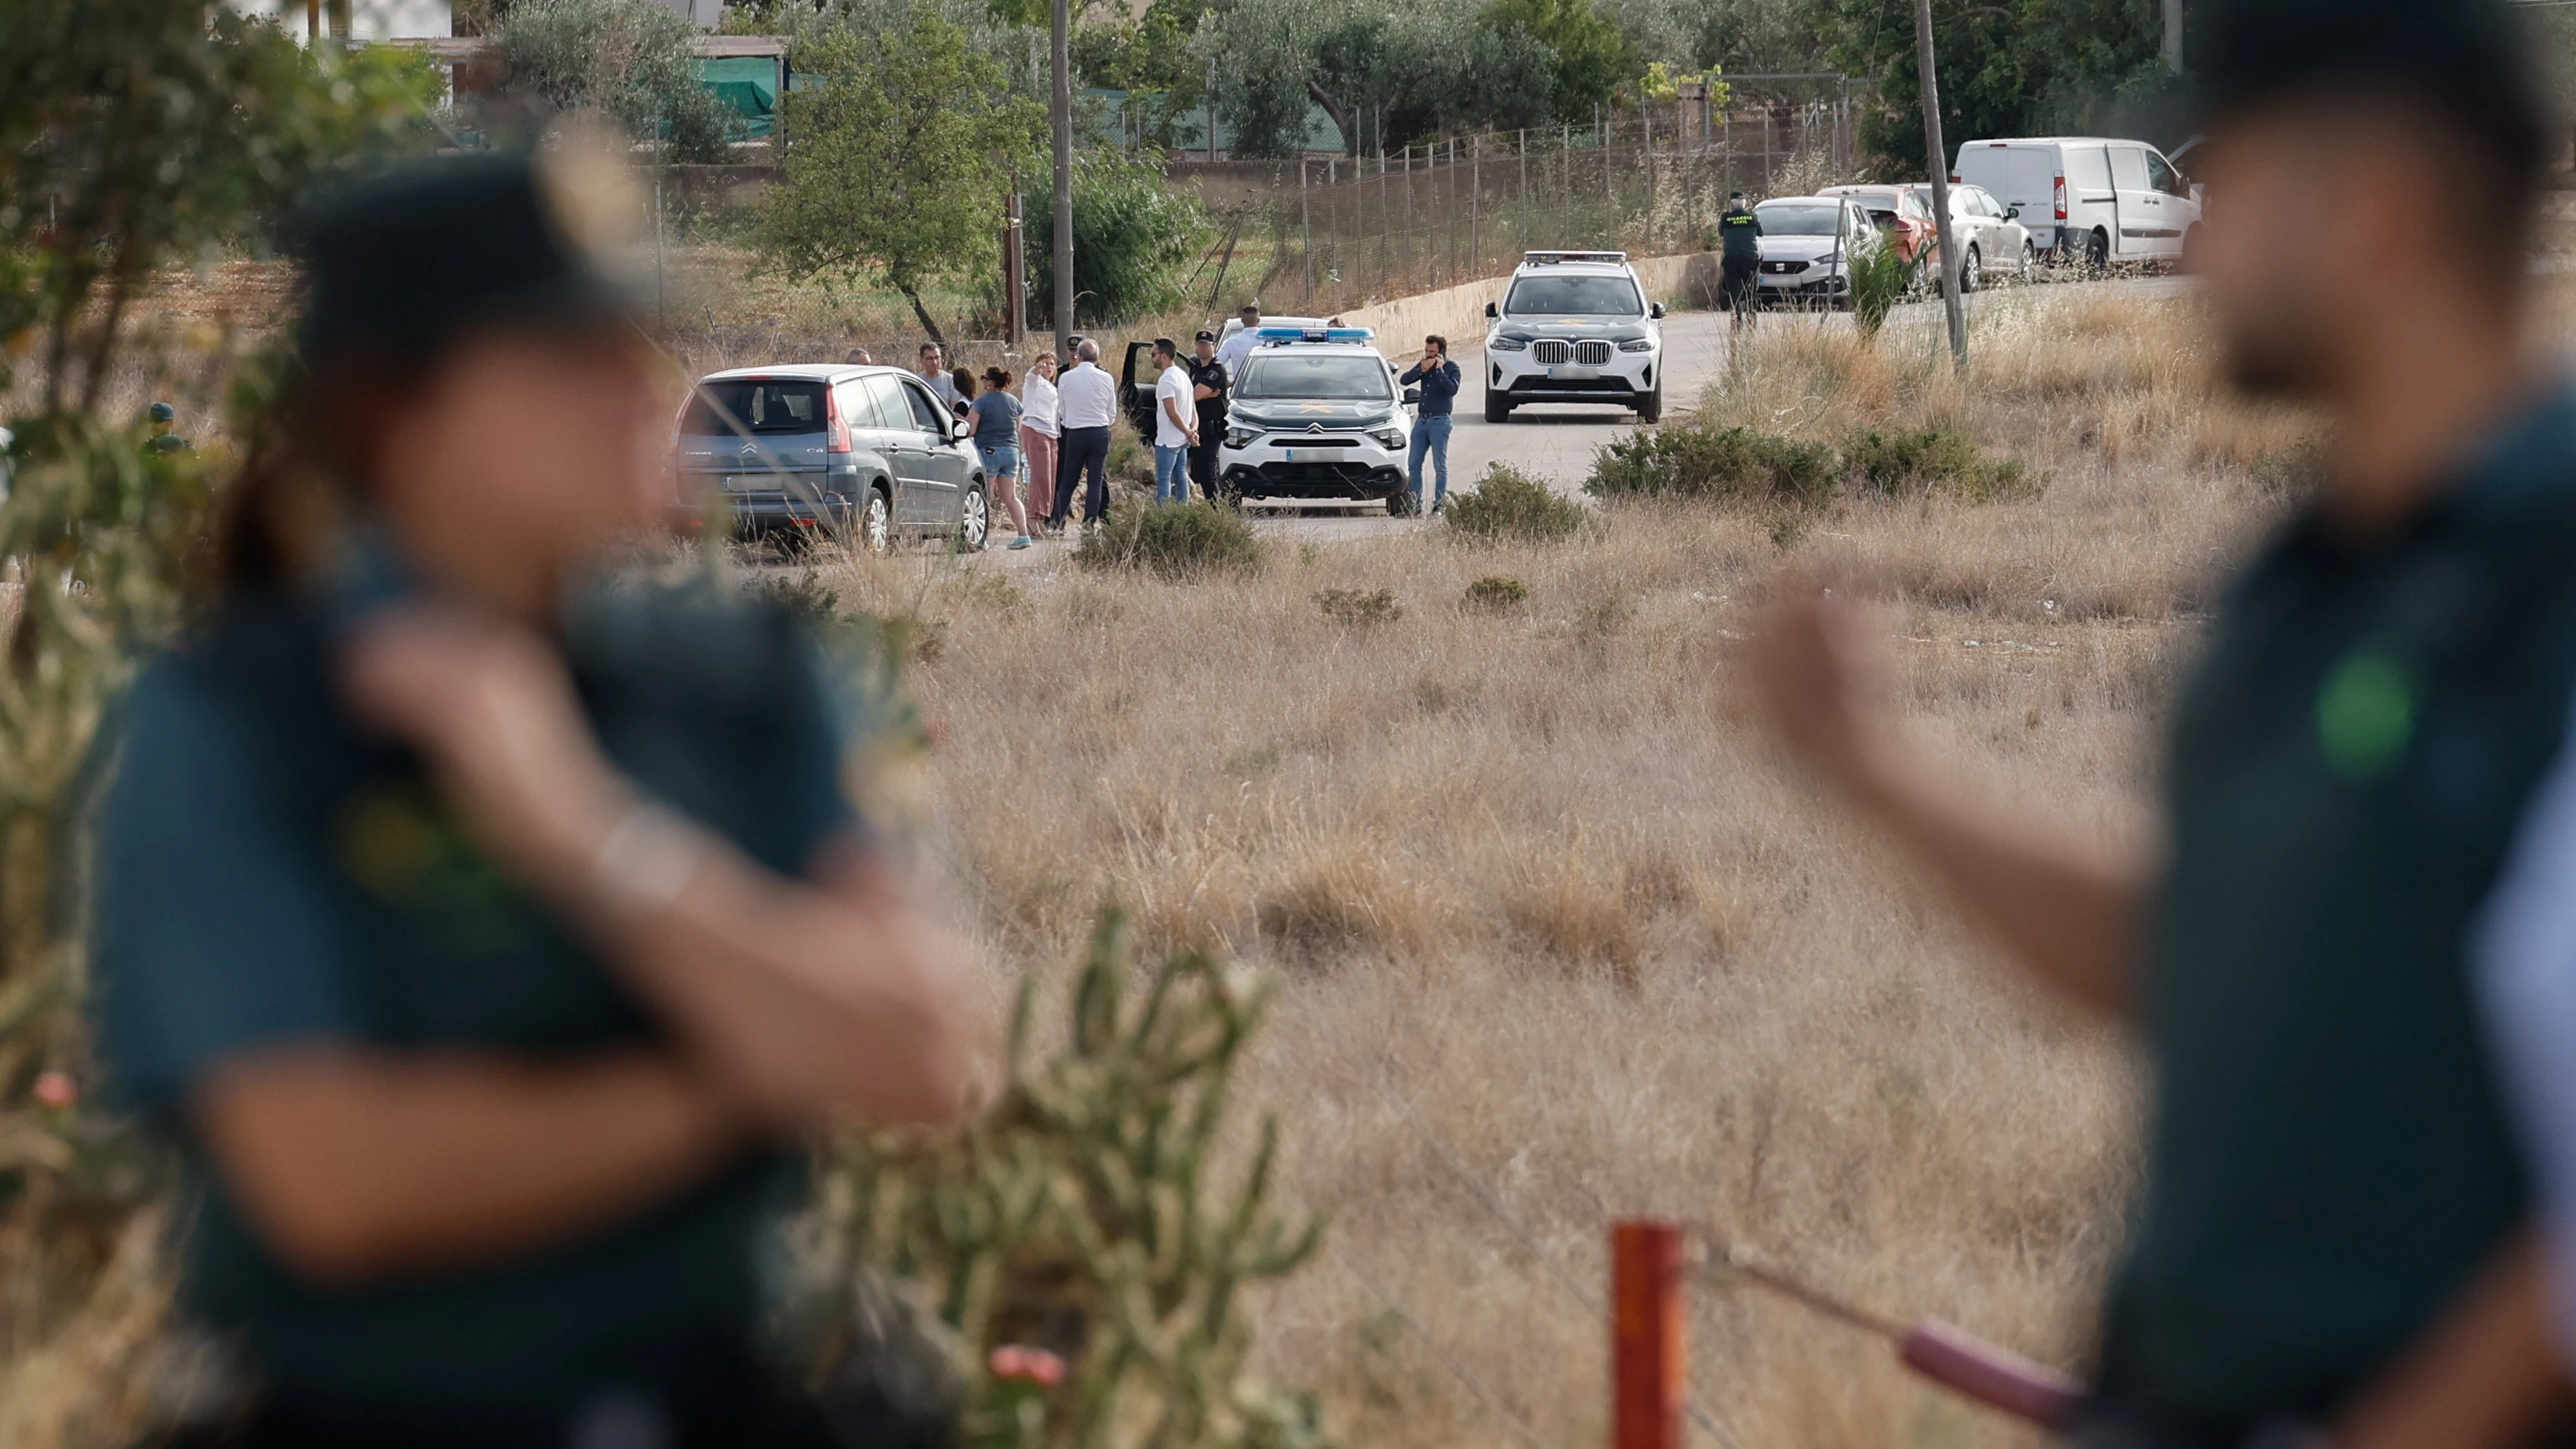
[[2086, 197], [1315, 414], [1808, 246], [1574, 327]]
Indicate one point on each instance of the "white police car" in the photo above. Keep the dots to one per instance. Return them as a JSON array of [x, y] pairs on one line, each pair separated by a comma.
[[1315, 414], [1574, 327]]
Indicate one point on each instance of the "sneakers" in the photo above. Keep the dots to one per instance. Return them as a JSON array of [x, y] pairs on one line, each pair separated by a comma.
[[1020, 542]]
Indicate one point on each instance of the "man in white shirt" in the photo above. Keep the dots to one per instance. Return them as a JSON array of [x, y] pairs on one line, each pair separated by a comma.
[[1087, 402], [1175, 424], [1240, 345]]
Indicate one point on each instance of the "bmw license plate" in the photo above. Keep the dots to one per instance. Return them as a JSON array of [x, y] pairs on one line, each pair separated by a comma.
[[1573, 372]]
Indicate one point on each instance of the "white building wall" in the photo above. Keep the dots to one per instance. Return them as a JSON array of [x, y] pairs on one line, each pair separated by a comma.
[[368, 19]]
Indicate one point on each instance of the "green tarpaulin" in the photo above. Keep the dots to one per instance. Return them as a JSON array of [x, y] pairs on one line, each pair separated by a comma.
[[748, 86]]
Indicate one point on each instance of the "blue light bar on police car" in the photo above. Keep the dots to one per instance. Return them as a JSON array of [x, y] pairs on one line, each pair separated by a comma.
[[1273, 336], [1545, 257]]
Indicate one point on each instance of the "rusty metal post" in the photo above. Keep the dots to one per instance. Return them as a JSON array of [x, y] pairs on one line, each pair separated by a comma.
[[1650, 1375]]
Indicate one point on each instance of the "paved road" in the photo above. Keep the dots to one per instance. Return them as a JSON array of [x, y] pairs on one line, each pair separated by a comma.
[[1554, 441]]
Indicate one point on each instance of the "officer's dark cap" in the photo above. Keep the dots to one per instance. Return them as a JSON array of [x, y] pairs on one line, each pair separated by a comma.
[[1206, 336], [404, 264], [2469, 59]]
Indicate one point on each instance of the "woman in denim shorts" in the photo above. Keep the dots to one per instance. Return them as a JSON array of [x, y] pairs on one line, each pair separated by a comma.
[[997, 437]]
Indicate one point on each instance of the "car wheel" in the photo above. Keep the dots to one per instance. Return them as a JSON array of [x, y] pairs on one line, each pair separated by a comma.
[[1972, 272], [2029, 260], [876, 523], [2097, 252], [1498, 409], [1652, 409], [974, 519], [1402, 504]]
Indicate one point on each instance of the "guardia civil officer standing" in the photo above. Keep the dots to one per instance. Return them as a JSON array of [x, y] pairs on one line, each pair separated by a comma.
[[1208, 381], [1739, 234], [485, 938], [2332, 1246]]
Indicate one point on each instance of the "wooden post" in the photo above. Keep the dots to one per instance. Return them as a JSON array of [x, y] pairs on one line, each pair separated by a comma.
[[1950, 303], [1650, 1374], [1305, 226], [1015, 274]]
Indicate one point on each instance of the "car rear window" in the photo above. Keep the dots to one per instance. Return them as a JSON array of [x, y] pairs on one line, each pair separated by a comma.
[[1575, 297], [1313, 375], [1798, 218], [759, 405]]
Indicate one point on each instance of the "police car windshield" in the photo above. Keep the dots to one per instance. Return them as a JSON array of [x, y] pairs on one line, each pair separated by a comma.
[[1340, 376], [1575, 297], [761, 405], [1798, 218]]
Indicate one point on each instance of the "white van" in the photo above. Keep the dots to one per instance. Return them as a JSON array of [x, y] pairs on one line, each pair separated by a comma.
[[2083, 196]]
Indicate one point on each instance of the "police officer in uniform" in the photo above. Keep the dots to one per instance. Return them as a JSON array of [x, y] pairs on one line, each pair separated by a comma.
[[165, 430], [1208, 381], [483, 935], [2333, 1243], [1739, 234]]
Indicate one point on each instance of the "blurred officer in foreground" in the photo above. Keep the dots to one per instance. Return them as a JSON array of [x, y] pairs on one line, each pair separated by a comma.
[[2332, 1237], [483, 940]]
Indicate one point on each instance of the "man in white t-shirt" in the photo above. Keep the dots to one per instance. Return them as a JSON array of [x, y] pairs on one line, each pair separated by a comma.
[[1176, 428], [1240, 345]]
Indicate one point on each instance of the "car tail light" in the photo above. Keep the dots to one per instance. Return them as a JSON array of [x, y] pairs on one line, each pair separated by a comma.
[[839, 442], [2061, 198]]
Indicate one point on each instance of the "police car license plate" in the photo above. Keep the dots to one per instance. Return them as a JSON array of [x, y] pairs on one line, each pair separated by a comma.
[[1314, 454]]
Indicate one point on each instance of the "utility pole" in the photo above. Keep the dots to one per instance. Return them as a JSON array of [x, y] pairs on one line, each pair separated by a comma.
[[1015, 276], [2173, 36], [1061, 40], [1950, 303], [1211, 110]]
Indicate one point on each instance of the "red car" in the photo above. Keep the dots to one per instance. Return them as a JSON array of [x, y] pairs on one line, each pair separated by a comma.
[[1898, 211]]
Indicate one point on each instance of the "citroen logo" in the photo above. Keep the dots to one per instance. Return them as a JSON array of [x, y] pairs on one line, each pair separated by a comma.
[[749, 450], [1314, 427]]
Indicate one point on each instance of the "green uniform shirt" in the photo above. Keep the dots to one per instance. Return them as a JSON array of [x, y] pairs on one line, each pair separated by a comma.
[[1740, 233], [2330, 1160], [272, 876]]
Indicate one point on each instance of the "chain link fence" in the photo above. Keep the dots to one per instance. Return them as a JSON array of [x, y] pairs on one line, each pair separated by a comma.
[[1327, 233]]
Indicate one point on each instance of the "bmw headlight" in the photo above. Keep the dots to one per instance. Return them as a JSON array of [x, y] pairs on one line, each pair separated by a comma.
[[1508, 344], [1638, 344], [1388, 438], [1239, 436]]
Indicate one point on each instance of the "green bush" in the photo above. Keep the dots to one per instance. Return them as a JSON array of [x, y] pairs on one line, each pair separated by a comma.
[[1741, 465], [626, 58], [1177, 542], [1496, 594], [1879, 278], [1353, 607], [1509, 503], [1904, 463], [1736, 463], [1134, 239]]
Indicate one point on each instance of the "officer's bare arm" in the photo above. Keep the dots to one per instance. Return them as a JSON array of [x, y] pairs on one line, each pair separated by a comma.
[[358, 1165], [804, 997], [2069, 906]]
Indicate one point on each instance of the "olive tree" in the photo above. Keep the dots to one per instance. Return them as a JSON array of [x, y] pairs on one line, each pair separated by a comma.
[[899, 160]]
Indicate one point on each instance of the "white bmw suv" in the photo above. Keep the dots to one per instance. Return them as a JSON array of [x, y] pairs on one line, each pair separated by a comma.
[[1574, 327], [1315, 413]]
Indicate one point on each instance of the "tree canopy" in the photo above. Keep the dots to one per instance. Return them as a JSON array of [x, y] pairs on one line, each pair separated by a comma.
[[902, 159]]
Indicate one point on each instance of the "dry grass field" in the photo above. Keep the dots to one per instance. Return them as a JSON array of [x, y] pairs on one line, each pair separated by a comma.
[[1535, 878], [1539, 889]]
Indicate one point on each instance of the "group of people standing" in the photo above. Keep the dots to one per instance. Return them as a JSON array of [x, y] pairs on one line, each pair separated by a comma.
[[1053, 435]]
